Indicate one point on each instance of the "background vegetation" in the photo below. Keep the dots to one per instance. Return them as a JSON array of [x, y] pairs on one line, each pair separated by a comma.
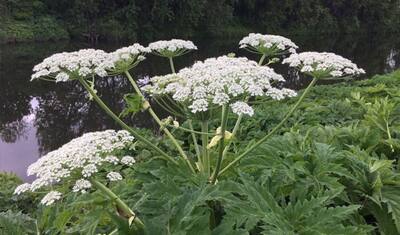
[[93, 20]]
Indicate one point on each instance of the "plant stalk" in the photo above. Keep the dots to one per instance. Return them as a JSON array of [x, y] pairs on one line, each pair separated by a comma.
[[261, 61], [171, 64], [159, 122], [120, 204], [273, 131], [123, 124], [196, 146], [234, 131], [221, 146], [204, 143]]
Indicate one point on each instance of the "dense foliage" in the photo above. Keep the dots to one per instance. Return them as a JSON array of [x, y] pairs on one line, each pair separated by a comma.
[[149, 19], [334, 172]]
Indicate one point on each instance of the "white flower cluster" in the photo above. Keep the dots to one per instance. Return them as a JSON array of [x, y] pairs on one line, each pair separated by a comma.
[[323, 64], [50, 198], [81, 157], [71, 65], [114, 176], [126, 58], [219, 81], [81, 186], [267, 44], [86, 63], [171, 48], [128, 160]]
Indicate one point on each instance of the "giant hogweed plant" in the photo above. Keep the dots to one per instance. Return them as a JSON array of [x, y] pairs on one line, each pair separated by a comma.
[[208, 92]]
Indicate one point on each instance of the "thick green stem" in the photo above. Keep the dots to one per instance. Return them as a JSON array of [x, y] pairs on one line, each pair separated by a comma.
[[120, 204], [204, 143], [234, 131], [260, 62], [172, 138], [273, 131], [123, 124], [221, 146], [389, 135], [171, 64], [159, 122], [196, 147], [190, 131]]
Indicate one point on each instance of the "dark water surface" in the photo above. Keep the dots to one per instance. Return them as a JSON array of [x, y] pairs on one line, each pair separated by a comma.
[[37, 117]]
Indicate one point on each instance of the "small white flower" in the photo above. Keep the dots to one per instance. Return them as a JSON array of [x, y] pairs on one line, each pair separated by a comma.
[[114, 176], [199, 105], [82, 186], [221, 98], [279, 94], [50, 198], [128, 160], [84, 71], [112, 159], [89, 170], [62, 77], [240, 107], [337, 73], [22, 188]]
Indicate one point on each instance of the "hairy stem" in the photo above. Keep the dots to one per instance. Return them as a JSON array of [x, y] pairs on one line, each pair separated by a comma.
[[234, 131], [122, 123], [191, 131], [261, 61], [196, 146], [171, 64], [159, 122], [120, 204], [273, 131], [221, 146], [204, 143]]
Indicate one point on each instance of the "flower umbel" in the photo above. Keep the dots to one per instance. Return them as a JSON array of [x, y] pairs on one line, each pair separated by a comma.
[[323, 64], [126, 58], [79, 160], [171, 48], [66, 66], [218, 81], [114, 176], [270, 45], [50, 198]]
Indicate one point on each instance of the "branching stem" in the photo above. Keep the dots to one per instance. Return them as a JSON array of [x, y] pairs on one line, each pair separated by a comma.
[[159, 122], [122, 123], [273, 131]]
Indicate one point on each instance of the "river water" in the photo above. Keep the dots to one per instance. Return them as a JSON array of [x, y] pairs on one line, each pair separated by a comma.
[[37, 117]]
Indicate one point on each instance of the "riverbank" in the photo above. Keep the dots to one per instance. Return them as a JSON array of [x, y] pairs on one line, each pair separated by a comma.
[[39, 29]]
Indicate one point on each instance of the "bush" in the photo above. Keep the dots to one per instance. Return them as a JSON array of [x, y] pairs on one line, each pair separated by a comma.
[[40, 29]]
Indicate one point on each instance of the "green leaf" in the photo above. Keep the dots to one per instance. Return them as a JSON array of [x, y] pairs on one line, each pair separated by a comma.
[[391, 196], [16, 223], [134, 104]]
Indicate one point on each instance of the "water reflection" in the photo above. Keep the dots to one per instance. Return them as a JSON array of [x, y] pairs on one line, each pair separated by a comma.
[[37, 117]]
